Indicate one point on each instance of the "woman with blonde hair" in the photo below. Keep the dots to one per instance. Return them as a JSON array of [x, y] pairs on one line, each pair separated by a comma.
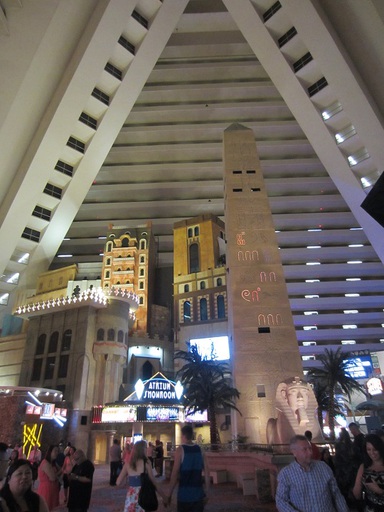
[[132, 470]]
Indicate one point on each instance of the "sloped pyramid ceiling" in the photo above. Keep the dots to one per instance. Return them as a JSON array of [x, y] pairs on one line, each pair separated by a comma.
[[199, 66]]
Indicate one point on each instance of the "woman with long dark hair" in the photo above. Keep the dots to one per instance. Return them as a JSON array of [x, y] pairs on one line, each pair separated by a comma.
[[370, 476], [48, 473], [345, 470], [133, 469], [17, 491]]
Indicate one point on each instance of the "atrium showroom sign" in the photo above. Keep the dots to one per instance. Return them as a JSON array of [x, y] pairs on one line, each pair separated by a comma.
[[158, 389], [155, 399]]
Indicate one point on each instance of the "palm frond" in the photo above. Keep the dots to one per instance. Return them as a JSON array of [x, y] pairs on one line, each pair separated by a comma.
[[207, 384]]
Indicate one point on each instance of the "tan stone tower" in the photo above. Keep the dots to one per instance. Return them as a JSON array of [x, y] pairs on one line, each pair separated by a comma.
[[199, 281], [129, 264], [264, 345]]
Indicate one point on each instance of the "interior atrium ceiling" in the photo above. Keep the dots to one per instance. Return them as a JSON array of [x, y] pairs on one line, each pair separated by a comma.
[[289, 70]]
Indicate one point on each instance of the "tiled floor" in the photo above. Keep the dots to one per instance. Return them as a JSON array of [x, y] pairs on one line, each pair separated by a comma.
[[223, 497]]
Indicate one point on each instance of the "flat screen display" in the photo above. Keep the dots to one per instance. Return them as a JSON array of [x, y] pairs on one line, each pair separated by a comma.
[[47, 411], [212, 348], [118, 415], [163, 414], [196, 417], [359, 367]]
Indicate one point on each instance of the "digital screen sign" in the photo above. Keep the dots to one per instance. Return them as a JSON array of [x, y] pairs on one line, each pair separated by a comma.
[[34, 409], [48, 411], [216, 347], [118, 414], [60, 412], [359, 366], [196, 417], [375, 386], [163, 414]]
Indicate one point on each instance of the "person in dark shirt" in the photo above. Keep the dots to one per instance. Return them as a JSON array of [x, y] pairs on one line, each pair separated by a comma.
[[60, 456], [345, 471], [80, 483], [316, 454], [114, 461], [358, 443], [159, 458], [357, 457], [187, 470]]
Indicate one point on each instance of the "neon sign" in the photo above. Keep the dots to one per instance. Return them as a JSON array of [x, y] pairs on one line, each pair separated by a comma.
[[158, 389], [46, 411]]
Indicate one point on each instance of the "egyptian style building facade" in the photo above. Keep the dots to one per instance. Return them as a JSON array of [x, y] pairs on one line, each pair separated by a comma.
[[90, 339], [129, 264], [199, 284], [77, 344]]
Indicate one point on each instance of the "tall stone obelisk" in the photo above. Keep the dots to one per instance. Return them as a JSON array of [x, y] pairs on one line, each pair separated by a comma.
[[263, 339]]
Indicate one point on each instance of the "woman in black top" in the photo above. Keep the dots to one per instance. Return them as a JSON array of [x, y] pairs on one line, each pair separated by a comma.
[[17, 494]]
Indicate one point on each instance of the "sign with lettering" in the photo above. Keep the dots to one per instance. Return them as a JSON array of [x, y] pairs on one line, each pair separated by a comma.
[[118, 414], [158, 389]]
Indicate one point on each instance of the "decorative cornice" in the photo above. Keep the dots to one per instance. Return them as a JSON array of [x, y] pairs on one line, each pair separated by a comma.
[[116, 293], [96, 298]]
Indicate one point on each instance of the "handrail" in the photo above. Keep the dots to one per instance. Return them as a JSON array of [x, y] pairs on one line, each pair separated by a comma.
[[234, 446]]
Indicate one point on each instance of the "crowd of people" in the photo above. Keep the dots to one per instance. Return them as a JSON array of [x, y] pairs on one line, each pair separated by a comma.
[[350, 479], [33, 483], [41, 482], [119, 457], [188, 469]]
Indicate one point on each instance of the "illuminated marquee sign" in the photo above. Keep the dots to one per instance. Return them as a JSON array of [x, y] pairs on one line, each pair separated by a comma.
[[46, 411], [158, 389], [118, 414], [156, 399], [164, 414]]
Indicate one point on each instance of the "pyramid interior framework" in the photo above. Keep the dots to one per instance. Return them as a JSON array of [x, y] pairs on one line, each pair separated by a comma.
[[127, 126]]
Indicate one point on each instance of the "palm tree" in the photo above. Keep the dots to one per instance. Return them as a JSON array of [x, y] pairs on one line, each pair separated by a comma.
[[322, 398], [208, 386], [333, 377]]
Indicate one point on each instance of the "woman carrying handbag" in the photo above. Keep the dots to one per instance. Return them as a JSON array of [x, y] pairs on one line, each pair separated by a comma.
[[138, 470]]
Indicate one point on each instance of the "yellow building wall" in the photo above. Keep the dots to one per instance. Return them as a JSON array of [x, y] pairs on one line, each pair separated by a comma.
[[50, 285], [209, 231], [54, 280]]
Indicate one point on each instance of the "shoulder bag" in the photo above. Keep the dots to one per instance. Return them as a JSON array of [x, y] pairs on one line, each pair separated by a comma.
[[147, 494]]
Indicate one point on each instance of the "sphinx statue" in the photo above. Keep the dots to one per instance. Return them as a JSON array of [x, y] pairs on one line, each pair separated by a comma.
[[296, 407]]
